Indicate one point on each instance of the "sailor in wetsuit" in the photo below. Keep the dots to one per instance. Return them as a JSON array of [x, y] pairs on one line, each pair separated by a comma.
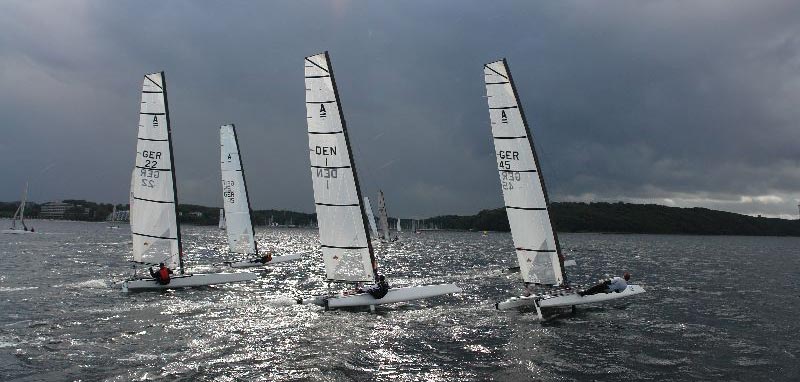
[[162, 274], [379, 290], [616, 284]]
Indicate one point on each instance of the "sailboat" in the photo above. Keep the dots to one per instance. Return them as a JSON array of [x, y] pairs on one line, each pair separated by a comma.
[[154, 199], [236, 200], [222, 224], [399, 227], [539, 253], [112, 218], [346, 246], [370, 217], [386, 233], [19, 214]]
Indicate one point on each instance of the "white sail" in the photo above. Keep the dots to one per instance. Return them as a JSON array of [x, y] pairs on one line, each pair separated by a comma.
[[19, 214], [236, 214], [346, 248], [523, 188], [384, 217], [154, 225], [113, 216], [222, 219], [370, 216], [399, 228]]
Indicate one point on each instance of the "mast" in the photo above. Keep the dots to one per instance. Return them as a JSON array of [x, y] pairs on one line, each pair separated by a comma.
[[246, 193], [353, 165], [539, 172], [172, 164]]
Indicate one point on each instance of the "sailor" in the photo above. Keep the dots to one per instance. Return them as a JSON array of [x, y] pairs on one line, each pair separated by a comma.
[[162, 274], [379, 290], [266, 258], [616, 284]]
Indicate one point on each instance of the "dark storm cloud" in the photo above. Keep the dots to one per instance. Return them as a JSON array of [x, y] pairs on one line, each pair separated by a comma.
[[680, 103]]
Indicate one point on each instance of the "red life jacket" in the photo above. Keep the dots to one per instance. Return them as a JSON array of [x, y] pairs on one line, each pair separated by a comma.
[[163, 274]]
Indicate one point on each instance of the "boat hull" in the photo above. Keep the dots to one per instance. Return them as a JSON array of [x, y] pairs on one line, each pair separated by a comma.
[[254, 263], [16, 231], [187, 281], [567, 299], [394, 295]]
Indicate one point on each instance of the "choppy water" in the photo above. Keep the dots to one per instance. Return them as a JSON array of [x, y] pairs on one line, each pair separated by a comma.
[[721, 308]]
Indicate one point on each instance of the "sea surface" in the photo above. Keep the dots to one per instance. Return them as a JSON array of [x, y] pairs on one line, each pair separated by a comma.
[[716, 308]]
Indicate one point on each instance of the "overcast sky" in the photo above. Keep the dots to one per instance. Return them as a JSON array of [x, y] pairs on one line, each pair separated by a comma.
[[684, 103]]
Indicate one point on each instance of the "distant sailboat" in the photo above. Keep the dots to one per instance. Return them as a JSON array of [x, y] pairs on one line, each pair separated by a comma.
[[19, 215], [154, 199], [236, 200], [346, 247], [222, 224], [538, 250], [386, 233], [113, 218], [399, 225], [371, 217]]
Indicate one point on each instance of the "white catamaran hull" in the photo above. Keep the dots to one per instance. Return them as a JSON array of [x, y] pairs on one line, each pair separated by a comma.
[[567, 299], [257, 262], [16, 231], [187, 281], [394, 295]]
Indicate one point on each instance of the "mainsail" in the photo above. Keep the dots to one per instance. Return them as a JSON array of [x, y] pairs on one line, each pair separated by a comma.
[[153, 212], [346, 247], [384, 217], [20, 212], [236, 201], [370, 217], [537, 247], [399, 228], [222, 218]]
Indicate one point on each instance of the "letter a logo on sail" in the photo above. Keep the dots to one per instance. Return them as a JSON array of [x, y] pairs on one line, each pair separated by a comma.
[[322, 112], [155, 121], [503, 116]]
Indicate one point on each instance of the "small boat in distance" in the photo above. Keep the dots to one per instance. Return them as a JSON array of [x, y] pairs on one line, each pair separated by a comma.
[[539, 253], [370, 217], [387, 236], [222, 224], [19, 215], [343, 229], [154, 199], [236, 200], [112, 218]]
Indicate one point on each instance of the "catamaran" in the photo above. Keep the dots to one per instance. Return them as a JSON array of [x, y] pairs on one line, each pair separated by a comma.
[[19, 214], [386, 234], [370, 217], [154, 199], [539, 253], [222, 224], [112, 218], [236, 200], [346, 246]]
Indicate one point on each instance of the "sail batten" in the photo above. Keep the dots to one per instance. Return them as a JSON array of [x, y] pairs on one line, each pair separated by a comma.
[[153, 213], [237, 214], [346, 248], [524, 191]]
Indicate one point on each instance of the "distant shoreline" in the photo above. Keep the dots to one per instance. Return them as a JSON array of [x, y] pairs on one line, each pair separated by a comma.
[[572, 217]]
